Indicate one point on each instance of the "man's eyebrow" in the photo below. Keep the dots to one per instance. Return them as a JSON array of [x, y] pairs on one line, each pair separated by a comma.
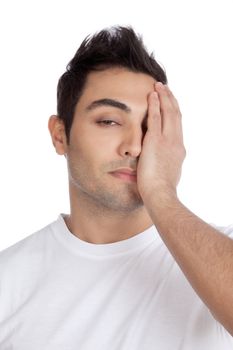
[[108, 102]]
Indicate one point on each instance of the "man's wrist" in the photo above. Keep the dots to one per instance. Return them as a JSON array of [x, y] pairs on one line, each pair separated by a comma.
[[161, 197], [161, 203]]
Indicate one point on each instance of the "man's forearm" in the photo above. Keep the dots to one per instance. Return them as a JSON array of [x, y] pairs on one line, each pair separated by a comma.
[[204, 254]]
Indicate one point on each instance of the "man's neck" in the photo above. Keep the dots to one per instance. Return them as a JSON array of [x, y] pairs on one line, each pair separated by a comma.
[[96, 224]]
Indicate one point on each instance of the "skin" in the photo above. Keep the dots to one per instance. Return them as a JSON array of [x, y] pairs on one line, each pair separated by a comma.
[[105, 209]]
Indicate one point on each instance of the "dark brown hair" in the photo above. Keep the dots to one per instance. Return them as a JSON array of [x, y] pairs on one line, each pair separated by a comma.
[[116, 46]]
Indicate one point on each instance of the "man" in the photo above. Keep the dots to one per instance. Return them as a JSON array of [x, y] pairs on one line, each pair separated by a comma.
[[130, 267]]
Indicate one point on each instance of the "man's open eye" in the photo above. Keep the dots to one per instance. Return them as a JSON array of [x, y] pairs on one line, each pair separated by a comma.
[[107, 122]]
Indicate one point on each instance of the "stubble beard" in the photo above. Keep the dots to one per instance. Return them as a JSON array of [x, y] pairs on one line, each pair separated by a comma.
[[120, 198]]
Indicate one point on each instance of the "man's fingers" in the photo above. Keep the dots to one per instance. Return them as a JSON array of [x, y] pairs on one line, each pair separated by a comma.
[[171, 116], [154, 121]]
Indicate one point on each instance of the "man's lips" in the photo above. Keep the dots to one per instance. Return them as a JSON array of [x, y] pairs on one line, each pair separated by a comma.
[[125, 174]]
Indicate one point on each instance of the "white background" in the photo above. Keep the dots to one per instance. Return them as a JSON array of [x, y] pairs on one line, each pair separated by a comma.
[[191, 39]]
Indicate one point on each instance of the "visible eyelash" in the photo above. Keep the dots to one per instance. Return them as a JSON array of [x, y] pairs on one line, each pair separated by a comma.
[[105, 122]]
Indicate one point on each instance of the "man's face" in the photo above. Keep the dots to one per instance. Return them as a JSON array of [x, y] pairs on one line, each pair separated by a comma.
[[97, 148]]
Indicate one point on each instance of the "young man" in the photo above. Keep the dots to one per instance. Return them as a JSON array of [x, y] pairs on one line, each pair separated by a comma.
[[130, 267]]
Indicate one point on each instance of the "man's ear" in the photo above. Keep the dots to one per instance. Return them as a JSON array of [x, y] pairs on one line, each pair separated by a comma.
[[57, 131]]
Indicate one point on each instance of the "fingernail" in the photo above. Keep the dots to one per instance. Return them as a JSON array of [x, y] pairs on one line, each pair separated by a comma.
[[160, 85]]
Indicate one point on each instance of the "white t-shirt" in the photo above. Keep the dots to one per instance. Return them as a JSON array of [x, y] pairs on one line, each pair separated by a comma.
[[58, 292]]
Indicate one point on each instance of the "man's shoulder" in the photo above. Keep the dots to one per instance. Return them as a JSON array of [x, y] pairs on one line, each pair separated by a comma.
[[26, 249]]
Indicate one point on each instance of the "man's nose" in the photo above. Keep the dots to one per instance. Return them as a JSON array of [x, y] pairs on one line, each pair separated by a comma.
[[131, 144]]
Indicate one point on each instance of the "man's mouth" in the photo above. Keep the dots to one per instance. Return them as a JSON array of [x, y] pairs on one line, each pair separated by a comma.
[[125, 174]]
